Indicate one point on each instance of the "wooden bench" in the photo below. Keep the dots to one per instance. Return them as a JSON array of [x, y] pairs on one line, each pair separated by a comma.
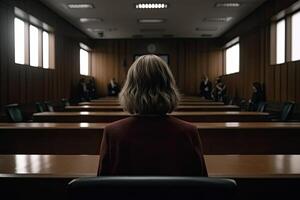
[[85, 138], [114, 116], [182, 103], [209, 108], [46, 176]]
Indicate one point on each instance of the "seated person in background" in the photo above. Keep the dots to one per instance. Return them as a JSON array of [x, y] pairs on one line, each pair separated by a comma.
[[91, 85], [113, 88], [257, 96], [219, 91], [83, 90], [150, 142], [205, 87]]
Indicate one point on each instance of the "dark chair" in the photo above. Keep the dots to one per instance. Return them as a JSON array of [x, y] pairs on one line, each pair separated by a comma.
[[14, 113], [151, 188], [49, 106], [287, 110], [65, 102], [40, 107], [261, 107]]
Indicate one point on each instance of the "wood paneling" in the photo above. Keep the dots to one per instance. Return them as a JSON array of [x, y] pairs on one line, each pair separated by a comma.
[[254, 31], [24, 84], [188, 60]]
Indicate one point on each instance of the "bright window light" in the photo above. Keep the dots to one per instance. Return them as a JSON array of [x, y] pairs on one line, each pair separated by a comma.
[[34, 46], [296, 36], [45, 50], [280, 42], [233, 59], [19, 41], [84, 62]]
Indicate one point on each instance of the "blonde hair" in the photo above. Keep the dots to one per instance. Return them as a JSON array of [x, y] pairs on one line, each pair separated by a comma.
[[150, 87]]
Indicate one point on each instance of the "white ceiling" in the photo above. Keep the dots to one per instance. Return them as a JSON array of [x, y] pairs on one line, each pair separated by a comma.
[[182, 17]]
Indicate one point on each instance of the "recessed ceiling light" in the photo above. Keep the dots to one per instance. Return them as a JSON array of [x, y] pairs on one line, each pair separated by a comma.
[[227, 5], [96, 30], [218, 19], [85, 20], [150, 21], [151, 5], [80, 5]]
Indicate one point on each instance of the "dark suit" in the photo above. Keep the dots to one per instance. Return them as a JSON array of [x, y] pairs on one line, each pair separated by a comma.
[[151, 145], [205, 89], [113, 90]]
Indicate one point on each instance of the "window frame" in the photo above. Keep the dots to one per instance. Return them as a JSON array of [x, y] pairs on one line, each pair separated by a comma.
[[41, 27], [25, 61], [286, 15], [285, 41], [291, 36], [230, 44], [89, 59]]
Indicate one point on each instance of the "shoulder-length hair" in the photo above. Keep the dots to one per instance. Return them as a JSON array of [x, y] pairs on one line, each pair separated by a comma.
[[150, 87]]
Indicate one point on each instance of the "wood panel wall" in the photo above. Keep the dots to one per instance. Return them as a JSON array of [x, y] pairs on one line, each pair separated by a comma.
[[24, 84], [189, 59], [282, 82]]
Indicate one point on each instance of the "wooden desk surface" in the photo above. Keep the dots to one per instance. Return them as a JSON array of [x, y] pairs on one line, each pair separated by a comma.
[[184, 103], [199, 125], [86, 116], [83, 113], [202, 108], [232, 166], [200, 103], [85, 138]]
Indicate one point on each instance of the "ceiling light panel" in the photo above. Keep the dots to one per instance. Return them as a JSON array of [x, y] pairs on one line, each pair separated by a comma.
[[86, 20], [218, 19], [228, 5], [151, 21], [81, 6], [151, 6]]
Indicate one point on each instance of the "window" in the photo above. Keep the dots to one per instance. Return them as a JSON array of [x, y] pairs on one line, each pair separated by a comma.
[[84, 62], [34, 46], [232, 56], [19, 41], [34, 41], [45, 50], [280, 42], [296, 36]]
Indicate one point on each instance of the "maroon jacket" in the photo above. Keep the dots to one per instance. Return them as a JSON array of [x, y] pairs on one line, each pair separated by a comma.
[[151, 146]]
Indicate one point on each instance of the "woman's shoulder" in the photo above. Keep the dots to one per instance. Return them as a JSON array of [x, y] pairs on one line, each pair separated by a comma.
[[146, 121], [183, 125]]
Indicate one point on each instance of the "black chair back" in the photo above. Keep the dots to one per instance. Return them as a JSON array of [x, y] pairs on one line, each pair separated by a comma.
[[287, 110], [49, 106], [261, 107], [65, 102], [151, 188], [40, 107], [14, 113]]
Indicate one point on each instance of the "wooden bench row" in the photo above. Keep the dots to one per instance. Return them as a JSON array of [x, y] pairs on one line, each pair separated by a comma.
[[86, 116], [182, 103], [46, 176], [85, 138], [179, 108]]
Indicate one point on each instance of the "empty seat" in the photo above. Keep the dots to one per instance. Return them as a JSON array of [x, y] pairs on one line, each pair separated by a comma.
[[261, 107], [150, 188], [287, 110], [49, 106], [65, 102], [14, 113], [40, 107]]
